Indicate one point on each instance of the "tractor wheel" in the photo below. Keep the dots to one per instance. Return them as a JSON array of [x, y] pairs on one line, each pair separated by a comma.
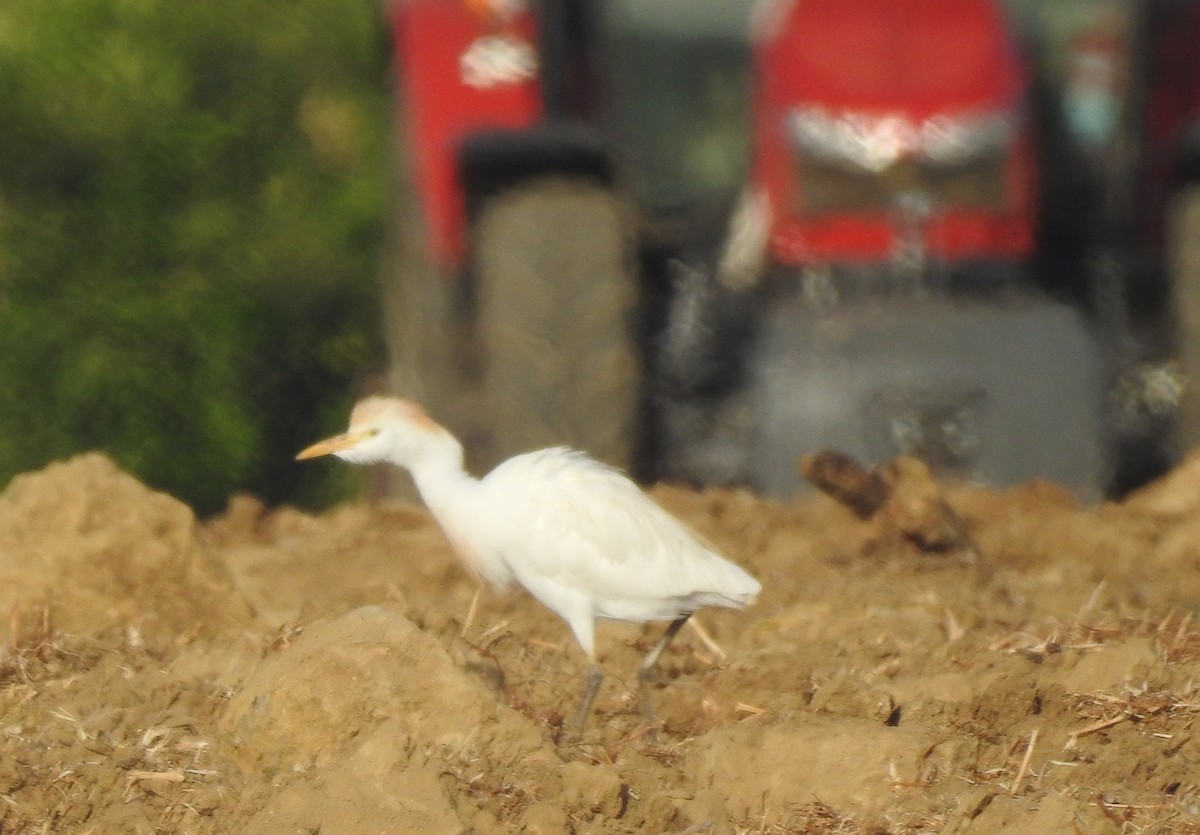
[[1183, 266], [554, 298]]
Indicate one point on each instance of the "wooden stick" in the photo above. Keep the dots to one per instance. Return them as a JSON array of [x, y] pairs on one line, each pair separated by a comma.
[[172, 776], [1033, 736], [1095, 726]]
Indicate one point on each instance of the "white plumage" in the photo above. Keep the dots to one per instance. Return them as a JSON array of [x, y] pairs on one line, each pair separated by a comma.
[[578, 535]]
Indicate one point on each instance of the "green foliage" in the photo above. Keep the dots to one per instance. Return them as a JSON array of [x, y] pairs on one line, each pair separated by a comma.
[[191, 205]]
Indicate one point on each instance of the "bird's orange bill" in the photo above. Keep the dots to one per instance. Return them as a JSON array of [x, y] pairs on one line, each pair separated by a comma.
[[332, 445]]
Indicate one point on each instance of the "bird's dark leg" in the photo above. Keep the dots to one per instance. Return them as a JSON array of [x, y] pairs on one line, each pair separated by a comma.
[[648, 666], [589, 695]]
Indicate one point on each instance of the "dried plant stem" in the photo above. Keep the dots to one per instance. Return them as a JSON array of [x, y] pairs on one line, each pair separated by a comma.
[[1033, 736]]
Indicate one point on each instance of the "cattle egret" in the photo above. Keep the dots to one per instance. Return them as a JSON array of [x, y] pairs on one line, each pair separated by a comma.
[[578, 535]]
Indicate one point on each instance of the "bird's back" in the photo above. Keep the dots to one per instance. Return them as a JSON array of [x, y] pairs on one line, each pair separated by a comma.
[[573, 522]]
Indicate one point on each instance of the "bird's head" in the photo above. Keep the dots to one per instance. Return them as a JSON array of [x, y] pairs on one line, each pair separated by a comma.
[[387, 429]]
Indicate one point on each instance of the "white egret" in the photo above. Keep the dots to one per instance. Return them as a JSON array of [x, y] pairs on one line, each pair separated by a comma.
[[578, 535]]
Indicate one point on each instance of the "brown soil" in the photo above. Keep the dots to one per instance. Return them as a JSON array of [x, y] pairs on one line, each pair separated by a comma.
[[276, 672]]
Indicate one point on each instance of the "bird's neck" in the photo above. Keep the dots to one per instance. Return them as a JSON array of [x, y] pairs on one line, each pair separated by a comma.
[[439, 473], [456, 499], [447, 489]]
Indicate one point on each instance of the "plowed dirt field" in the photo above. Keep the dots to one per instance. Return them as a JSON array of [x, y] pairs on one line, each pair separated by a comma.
[[270, 671]]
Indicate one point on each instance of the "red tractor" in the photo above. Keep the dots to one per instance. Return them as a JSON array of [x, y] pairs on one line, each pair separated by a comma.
[[700, 242]]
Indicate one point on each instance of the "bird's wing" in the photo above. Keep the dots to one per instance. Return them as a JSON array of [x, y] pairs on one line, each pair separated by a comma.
[[586, 526]]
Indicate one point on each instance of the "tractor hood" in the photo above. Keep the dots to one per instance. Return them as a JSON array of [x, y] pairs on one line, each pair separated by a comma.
[[892, 57]]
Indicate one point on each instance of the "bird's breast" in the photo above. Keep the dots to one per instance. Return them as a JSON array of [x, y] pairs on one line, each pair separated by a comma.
[[485, 568]]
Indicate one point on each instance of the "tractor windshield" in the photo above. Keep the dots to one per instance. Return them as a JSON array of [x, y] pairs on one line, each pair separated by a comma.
[[679, 73]]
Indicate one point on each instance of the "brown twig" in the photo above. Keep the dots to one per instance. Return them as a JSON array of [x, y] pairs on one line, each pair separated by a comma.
[[1094, 727], [1033, 737]]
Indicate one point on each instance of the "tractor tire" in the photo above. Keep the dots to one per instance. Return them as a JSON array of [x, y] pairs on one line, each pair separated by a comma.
[[554, 296], [1183, 269]]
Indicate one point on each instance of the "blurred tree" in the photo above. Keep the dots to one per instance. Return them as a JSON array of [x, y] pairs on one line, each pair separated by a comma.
[[192, 200]]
